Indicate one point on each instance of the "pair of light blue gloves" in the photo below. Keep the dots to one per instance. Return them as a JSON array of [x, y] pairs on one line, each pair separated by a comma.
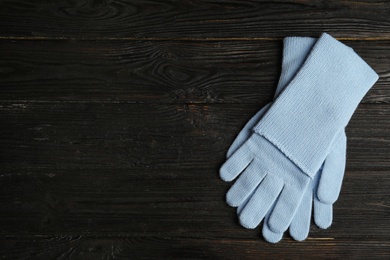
[[291, 154]]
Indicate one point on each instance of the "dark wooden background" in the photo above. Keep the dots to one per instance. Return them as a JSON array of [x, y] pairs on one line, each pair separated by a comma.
[[116, 116]]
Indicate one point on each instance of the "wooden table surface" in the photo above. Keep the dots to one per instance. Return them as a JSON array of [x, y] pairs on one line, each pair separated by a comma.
[[116, 116]]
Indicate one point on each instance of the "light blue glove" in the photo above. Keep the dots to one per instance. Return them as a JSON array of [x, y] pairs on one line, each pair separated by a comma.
[[329, 178], [295, 51], [294, 137]]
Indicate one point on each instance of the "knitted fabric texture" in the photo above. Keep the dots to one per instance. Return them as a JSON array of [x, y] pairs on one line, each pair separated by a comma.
[[317, 104], [275, 181]]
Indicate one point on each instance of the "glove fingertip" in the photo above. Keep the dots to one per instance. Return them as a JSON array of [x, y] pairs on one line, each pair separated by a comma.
[[247, 223], [225, 175], [323, 214], [270, 236], [235, 197], [299, 235], [328, 191], [241, 207], [327, 198], [233, 148], [323, 223]]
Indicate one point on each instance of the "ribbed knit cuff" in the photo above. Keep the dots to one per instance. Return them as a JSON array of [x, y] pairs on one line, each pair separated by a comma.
[[319, 102], [295, 52]]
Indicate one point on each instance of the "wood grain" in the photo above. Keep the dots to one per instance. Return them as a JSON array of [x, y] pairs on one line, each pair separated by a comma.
[[165, 202], [203, 19], [124, 247], [184, 136], [157, 72], [116, 116]]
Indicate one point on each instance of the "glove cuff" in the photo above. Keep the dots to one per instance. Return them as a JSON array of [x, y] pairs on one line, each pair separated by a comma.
[[295, 52], [318, 103]]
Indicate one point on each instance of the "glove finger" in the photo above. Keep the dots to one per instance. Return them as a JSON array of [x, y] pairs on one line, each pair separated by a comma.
[[323, 214], [300, 225], [260, 203], [332, 174], [245, 185], [236, 163], [268, 234], [242, 205], [285, 208], [246, 132]]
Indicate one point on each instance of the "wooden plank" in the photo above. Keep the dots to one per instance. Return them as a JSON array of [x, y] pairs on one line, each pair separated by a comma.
[[166, 202], [145, 169], [116, 116], [125, 136], [158, 71], [123, 247], [193, 19]]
